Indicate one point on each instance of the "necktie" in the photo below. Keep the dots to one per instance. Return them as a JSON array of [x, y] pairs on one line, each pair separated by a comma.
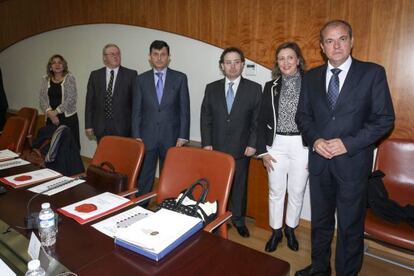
[[230, 97], [159, 87], [333, 87], [108, 97]]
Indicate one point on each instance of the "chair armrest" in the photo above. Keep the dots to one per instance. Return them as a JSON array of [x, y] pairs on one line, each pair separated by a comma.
[[145, 197], [29, 139], [129, 192], [218, 221]]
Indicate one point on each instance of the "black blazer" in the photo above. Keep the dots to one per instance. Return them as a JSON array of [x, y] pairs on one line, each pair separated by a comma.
[[230, 133], [166, 122], [362, 115], [124, 88], [268, 116]]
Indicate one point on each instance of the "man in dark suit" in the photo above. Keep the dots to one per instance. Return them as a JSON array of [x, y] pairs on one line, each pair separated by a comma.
[[229, 115], [161, 112], [345, 107], [3, 104], [109, 97]]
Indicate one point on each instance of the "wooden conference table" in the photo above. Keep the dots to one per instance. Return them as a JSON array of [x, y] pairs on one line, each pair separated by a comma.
[[86, 251]]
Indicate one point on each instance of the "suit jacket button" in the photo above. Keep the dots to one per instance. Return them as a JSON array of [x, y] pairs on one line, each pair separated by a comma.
[[333, 118], [228, 120]]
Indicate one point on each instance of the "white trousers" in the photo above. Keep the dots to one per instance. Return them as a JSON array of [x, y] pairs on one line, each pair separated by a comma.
[[290, 170]]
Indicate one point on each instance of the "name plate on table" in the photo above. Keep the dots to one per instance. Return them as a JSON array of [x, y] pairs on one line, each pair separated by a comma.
[[158, 234], [29, 178], [95, 207]]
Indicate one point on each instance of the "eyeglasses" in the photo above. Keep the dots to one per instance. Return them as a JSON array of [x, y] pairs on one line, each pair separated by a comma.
[[113, 54], [232, 62]]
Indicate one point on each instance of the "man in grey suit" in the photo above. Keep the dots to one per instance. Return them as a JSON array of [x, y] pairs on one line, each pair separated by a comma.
[[345, 107], [229, 115], [161, 112], [109, 97]]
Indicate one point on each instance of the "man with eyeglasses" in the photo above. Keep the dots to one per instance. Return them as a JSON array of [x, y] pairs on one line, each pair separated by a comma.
[[344, 108], [229, 115], [108, 105], [161, 112]]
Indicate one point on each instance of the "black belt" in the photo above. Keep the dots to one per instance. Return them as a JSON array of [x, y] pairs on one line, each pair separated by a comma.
[[288, 133]]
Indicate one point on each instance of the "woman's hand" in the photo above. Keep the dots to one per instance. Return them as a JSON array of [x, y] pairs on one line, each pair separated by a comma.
[[268, 161], [52, 114]]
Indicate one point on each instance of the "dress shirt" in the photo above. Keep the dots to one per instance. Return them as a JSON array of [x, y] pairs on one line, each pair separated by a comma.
[[108, 77], [342, 75], [235, 82], [164, 76]]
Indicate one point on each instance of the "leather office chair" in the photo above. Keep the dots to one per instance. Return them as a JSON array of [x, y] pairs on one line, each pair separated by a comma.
[[185, 165], [395, 157], [31, 115], [14, 134], [125, 154]]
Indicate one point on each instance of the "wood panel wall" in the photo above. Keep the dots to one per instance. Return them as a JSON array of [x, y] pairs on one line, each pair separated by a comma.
[[383, 29]]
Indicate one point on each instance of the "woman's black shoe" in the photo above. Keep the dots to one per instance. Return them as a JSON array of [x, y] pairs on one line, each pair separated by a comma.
[[275, 238], [292, 242]]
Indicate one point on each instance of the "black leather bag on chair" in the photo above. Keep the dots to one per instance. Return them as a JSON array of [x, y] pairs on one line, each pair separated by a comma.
[[186, 203], [105, 176]]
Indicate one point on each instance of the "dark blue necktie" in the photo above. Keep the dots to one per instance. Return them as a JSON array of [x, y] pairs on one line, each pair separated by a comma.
[[333, 87], [159, 87]]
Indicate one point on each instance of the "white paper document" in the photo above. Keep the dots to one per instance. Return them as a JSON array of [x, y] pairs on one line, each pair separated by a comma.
[[157, 231], [5, 270], [13, 163], [56, 185], [95, 207], [7, 155], [110, 225], [27, 178]]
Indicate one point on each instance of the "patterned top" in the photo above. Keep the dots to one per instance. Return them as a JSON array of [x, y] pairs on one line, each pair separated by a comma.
[[288, 104], [69, 96]]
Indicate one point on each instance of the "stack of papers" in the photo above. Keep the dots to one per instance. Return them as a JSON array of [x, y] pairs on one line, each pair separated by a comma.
[[28, 178], [7, 155], [95, 207], [158, 234]]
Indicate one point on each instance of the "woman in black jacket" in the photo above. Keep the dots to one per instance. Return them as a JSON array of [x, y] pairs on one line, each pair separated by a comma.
[[280, 144]]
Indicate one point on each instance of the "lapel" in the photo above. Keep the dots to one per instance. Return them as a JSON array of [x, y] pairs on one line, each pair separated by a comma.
[[352, 78], [168, 85], [118, 81], [322, 86], [222, 95], [240, 94], [151, 87]]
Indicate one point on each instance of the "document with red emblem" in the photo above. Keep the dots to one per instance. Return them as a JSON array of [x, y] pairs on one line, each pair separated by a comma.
[[28, 178], [95, 207]]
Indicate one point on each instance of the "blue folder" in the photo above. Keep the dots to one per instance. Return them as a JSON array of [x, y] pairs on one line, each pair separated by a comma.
[[158, 256]]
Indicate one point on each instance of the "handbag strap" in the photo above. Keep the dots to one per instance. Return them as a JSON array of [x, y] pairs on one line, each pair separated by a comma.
[[203, 182], [107, 164]]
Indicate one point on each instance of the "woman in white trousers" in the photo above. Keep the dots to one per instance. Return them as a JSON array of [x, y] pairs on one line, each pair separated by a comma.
[[280, 145]]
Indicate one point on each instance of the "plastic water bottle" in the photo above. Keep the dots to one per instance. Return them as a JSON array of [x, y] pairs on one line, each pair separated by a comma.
[[35, 269], [47, 226]]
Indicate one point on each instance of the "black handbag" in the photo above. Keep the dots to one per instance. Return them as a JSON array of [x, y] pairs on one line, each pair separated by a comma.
[[105, 176], [193, 210]]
